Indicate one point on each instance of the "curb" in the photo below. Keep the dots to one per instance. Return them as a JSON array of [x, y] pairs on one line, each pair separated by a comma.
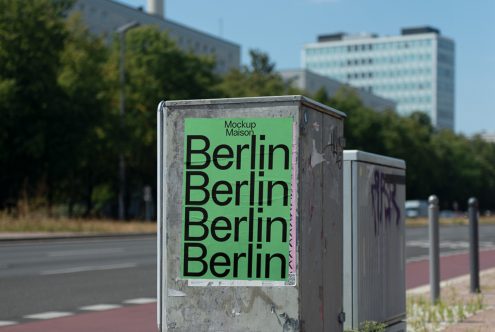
[[42, 237]]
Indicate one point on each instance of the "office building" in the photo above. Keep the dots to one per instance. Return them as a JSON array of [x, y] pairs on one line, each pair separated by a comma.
[[103, 17], [488, 137], [311, 82], [416, 68]]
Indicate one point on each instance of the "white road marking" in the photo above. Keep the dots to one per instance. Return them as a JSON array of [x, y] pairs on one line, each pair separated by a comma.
[[49, 315], [451, 253], [142, 300], [449, 244], [7, 323], [83, 252], [100, 307], [89, 268]]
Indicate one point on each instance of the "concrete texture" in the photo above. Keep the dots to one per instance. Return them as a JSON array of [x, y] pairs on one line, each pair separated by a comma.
[[483, 321]]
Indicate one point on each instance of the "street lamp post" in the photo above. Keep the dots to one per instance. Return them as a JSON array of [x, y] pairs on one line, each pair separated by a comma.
[[122, 178]]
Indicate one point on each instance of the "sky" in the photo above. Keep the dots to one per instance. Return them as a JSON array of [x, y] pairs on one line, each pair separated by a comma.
[[282, 27]]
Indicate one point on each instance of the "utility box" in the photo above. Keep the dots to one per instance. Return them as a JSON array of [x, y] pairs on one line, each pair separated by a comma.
[[374, 240], [250, 215]]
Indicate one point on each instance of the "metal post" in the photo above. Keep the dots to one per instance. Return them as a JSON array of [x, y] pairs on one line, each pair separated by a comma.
[[473, 245], [434, 248], [147, 202], [122, 178]]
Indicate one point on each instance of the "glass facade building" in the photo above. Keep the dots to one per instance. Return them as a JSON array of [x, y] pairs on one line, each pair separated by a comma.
[[415, 69]]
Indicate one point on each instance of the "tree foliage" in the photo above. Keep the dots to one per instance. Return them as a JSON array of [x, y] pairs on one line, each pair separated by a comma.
[[452, 166], [88, 162], [258, 79], [61, 132], [31, 102], [156, 69]]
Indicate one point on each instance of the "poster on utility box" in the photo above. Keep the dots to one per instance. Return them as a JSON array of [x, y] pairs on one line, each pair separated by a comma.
[[238, 202]]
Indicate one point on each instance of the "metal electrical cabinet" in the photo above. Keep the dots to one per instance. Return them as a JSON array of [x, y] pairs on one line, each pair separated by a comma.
[[374, 240], [250, 215]]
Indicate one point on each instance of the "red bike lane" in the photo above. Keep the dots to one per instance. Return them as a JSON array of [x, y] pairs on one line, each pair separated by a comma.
[[451, 266], [142, 318]]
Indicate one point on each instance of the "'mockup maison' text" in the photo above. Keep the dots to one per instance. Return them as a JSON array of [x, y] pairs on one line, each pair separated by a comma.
[[239, 128]]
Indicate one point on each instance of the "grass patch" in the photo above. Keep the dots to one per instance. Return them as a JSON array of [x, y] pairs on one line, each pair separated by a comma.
[[422, 316], [370, 326], [43, 224]]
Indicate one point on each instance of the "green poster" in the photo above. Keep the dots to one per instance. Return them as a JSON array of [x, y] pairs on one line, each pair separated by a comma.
[[237, 203]]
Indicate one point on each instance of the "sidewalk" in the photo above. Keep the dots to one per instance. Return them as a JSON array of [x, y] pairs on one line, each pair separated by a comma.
[[483, 321], [454, 271]]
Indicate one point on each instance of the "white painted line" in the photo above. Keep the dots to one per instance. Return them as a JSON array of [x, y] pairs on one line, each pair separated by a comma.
[[427, 257], [80, 252], [464, 278], [451, 253], [6, 323], [449, 244], [143, 300], [89, 268], [49, 315], [100, 307]]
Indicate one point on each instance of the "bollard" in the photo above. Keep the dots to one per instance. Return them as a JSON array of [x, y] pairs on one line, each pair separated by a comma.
[[434, 248], [473, 245]]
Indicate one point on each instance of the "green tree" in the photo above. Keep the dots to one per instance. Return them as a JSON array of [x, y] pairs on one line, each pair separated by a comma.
[[439, 162], [387, 133], [484, 158], [31, 39], [258, 79], [87, 163], [156, 69]]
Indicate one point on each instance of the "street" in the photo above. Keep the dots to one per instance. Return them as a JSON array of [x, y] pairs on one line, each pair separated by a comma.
[[56, 278], [452, 239], [67, 275]]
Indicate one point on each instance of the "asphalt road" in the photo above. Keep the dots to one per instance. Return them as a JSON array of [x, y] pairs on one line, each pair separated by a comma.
[[64, 275], [67, 275], [452, 239]]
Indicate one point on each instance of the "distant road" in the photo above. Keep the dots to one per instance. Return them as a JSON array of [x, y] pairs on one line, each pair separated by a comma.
[[71, 274], [64, 275], [452, 239]]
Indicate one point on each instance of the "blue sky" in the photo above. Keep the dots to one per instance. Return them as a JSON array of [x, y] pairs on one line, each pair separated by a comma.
[[282, 27]]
